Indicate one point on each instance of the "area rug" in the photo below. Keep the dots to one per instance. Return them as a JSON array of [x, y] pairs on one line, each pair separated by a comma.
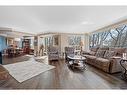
[[25, 70], [42, 59]]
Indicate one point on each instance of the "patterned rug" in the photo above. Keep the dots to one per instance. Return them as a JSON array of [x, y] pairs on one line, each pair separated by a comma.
[[23, 71]]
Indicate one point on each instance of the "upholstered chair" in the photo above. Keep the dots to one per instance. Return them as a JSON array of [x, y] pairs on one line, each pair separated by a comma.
[[53, 53], [69, 51]]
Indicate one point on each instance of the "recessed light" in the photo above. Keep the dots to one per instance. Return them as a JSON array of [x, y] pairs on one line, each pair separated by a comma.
[[87, 23]]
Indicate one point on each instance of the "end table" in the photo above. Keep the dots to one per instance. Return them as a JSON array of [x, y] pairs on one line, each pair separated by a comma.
[[123, 63]]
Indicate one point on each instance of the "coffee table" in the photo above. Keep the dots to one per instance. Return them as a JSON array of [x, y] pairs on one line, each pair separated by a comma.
[[77, 62]]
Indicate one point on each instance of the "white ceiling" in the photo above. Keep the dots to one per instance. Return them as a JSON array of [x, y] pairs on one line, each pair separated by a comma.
[[39, 19]]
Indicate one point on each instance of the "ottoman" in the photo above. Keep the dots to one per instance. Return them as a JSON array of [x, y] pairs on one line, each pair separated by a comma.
[[4, 74]]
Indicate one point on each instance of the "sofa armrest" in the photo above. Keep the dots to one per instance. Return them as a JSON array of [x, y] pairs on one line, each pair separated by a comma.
[[115, 64], [85, 52], [115, 57], [88, 53]]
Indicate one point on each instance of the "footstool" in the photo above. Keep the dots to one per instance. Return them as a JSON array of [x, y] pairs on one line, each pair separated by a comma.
[[4, 74]]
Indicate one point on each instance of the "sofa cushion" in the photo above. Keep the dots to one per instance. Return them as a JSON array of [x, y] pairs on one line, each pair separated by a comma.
[[108, 54], [102, 60], [103, 64], [90, 59], [100, 53]]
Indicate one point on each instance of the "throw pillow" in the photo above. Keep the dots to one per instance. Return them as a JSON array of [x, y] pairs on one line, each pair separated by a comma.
[[100, 53], [109, 54]]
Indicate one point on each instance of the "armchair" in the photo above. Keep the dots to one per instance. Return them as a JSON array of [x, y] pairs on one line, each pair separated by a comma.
[[53, 53], [69, 51]]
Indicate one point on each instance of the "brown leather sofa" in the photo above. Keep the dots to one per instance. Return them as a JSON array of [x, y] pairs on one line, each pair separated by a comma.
[[106, 59]]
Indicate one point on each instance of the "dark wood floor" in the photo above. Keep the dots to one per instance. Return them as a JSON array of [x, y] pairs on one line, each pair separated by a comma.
[[63, 78]]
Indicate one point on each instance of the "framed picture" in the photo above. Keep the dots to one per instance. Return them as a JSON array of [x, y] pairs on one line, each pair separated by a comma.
[[56, 40]]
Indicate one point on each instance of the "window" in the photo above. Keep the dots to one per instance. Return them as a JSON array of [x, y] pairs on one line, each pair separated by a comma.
[[49, 41], [74, 40], [3, 44], [115, 37]]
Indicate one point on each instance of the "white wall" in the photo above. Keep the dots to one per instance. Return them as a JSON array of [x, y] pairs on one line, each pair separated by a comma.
[[63, 41], [86, 42], [41, 39]]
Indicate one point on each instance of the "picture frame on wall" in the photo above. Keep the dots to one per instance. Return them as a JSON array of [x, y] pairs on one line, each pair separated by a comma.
[[56, 40]]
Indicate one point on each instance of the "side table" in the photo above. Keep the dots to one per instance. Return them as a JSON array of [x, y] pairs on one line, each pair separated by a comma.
[[123, 63]]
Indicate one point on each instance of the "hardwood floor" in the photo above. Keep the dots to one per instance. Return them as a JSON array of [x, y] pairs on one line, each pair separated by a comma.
[[63, 78]]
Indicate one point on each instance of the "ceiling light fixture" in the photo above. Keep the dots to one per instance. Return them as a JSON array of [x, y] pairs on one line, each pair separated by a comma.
[[87, 23]]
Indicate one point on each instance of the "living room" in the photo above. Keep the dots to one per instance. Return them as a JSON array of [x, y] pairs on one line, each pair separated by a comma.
[[63, 47]]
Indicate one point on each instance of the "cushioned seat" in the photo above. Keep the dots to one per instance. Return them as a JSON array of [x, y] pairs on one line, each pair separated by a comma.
[[103, 63], [91, 57], [102, 60], [4, 74], [105, 59]]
